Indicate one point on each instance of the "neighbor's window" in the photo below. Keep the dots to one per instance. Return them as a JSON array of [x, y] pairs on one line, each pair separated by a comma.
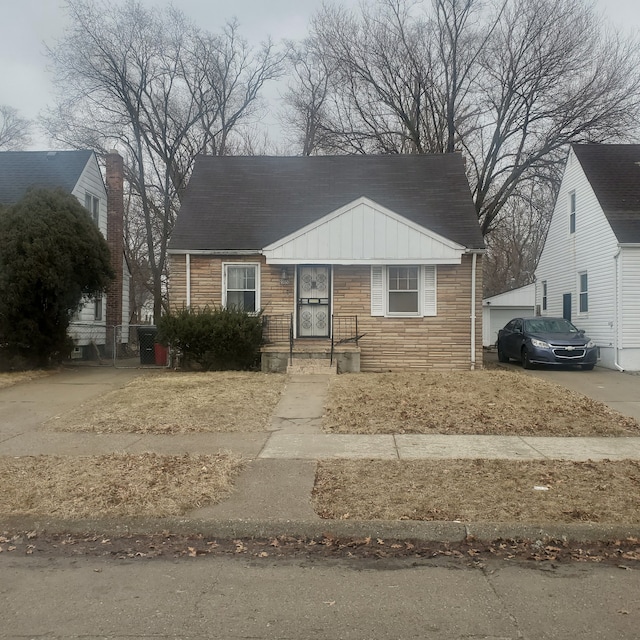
[[572, 212], [92, 205], [403, 290], [544, 295], [241, 290], [584, 293], [98, 309]]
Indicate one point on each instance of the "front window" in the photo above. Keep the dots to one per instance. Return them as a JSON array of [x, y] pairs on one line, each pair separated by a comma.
[[403, 290], [544, 295], [241, 289], [98, 309], [584, 293]]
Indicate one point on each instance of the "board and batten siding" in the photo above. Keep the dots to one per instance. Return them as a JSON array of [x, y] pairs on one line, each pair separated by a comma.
[[591, 249], [389, 344]]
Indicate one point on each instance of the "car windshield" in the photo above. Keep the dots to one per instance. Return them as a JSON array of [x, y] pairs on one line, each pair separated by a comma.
[[549, 325]]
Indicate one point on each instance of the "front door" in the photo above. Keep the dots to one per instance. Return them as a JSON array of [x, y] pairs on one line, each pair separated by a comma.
[[314, 292]]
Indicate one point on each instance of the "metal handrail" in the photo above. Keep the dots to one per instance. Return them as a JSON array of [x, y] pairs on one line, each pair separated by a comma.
[[346, 326]]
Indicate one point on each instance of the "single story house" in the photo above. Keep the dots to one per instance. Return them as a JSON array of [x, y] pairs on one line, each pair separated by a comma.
[[499, 309], [379, 256], [589, 269], [78, 173]]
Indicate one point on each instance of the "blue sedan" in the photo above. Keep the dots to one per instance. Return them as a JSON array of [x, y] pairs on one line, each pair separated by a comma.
[[543, 340]]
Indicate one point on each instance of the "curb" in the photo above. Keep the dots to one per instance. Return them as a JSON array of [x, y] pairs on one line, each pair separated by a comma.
[[440, 531]]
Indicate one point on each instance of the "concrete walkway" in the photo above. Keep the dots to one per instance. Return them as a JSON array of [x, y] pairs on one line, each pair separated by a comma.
[[275, 489]]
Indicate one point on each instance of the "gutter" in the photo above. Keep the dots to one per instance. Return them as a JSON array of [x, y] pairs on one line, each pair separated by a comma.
[[188, 274], [474, 265]]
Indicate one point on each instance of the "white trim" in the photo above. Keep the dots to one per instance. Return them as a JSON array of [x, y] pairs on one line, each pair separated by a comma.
[[215, 252], [368, 261], [226, 265]]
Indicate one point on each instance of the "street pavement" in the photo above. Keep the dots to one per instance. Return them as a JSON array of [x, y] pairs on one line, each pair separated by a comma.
[[233, 598], [273, 495]]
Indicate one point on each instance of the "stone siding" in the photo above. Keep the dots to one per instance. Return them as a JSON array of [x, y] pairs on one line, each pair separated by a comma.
[[389, 344]]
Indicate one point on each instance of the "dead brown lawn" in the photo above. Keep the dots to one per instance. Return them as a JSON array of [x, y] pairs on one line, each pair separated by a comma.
[[114, 485], [479, 490], [466, 402], [8, 379], [173, 403]]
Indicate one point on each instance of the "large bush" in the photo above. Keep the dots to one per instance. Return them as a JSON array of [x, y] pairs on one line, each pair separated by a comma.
[[51, 256], [213, 338]]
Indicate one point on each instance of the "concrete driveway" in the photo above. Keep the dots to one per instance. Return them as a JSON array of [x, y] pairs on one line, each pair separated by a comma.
[[618, 390]]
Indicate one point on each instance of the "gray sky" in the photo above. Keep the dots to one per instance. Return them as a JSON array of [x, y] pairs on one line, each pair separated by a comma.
[[25, 83]]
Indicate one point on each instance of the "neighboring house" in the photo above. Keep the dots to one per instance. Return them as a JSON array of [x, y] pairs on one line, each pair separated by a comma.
[[499, 309], [381, 254], [589, 270], [78, 173]]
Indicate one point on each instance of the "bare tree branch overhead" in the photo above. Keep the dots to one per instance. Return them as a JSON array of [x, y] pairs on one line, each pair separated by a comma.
[[510, 83], [151, 84], [15, 132]]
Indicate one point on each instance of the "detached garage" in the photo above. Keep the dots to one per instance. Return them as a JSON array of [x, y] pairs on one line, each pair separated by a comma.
[[498, 310]]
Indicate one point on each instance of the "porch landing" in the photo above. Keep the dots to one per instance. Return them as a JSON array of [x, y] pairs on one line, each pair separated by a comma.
[[310, 357]]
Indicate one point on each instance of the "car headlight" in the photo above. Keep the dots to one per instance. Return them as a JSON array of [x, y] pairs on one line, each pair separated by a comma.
[[591, 344], [541, 344]]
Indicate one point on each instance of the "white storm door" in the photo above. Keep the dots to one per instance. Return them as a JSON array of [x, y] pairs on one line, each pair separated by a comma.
[[314, 293]]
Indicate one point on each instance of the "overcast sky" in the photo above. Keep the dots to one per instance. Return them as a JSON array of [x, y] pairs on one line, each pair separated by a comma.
[[27, 24]]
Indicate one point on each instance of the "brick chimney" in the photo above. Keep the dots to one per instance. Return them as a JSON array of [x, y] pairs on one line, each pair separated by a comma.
[[115, 241]]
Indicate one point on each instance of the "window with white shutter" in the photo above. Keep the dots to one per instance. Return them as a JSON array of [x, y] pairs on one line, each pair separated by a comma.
[[403, 291], [377, 290], [429, 290]]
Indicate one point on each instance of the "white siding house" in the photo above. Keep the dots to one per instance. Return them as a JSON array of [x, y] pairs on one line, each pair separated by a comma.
[[78, 173], [589, 270]]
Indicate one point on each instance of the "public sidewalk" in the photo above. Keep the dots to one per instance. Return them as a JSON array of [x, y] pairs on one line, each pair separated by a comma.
[[273, 495]]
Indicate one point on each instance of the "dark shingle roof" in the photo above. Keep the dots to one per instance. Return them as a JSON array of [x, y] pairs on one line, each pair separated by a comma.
[[613, 170], [246, 203], [21, 170]]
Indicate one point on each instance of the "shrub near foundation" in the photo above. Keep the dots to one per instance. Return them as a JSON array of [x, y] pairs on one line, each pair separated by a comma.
[[213, 338]]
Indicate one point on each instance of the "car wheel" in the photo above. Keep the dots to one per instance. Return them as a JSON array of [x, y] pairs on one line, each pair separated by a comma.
[[526, 363], [501, 356], [588, 367]]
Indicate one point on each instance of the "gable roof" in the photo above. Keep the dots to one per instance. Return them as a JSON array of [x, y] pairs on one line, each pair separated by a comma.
[[21, 170], [613, 170], [248, 203], [363, 232]]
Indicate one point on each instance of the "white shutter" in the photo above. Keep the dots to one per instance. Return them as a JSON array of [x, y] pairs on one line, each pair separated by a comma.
[[377, 290], [429, 307]]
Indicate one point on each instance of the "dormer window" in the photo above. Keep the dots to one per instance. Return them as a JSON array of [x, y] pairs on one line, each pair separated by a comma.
[[92, 205]]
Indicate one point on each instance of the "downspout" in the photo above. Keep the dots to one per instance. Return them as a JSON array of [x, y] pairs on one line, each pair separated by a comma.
[[188, 273], [474, 260], [616, 331]]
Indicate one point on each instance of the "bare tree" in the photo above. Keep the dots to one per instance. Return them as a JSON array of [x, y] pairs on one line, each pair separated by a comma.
[[511, 84], [14, 130], [306, 96], [514, 246], [152, 85]]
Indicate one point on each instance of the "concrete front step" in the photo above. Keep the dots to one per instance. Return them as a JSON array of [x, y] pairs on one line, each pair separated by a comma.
[[312, 365]]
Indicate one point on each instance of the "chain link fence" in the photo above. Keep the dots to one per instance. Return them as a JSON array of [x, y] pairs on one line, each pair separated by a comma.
[[123, 346]]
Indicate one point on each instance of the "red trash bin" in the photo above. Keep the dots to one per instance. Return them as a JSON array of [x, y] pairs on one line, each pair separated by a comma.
[[161, 354]]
